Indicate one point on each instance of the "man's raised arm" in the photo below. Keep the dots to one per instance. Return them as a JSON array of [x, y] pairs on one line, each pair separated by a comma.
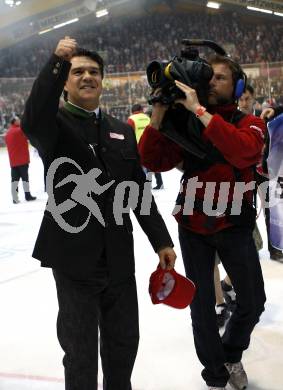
[[42, 105]]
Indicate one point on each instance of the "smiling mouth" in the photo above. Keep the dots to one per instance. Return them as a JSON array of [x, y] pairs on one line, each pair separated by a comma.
[[87, 87]]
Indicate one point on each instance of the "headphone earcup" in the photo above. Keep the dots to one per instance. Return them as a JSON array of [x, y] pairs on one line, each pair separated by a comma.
[[239, 89]]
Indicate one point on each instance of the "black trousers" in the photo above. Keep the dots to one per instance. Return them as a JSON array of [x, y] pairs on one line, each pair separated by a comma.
[[158, 178], [86, 306], [17, 173], [240, 259]]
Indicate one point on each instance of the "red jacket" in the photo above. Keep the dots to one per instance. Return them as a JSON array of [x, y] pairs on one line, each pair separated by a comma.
[[241, 145], [17, 145]]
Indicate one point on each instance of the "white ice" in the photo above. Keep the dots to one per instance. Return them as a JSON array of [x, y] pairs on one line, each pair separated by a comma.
[[30, 356]]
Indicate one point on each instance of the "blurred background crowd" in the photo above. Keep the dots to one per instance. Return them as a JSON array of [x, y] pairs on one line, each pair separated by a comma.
[[129, 43]]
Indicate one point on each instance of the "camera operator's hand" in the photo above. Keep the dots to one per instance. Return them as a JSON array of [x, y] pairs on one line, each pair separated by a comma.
[[158, 111], [267, 113], [192, 104], [66, 48]]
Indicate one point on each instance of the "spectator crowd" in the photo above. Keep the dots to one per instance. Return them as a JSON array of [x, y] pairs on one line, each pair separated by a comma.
[[128, 44]]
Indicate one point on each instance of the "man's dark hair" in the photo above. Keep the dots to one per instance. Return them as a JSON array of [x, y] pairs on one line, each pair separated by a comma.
[[250, 89], [14, 119], [93, 55], [136, 107]]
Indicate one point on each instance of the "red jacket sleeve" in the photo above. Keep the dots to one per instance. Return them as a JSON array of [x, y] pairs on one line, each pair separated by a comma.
[[240, 144], [157, 152]]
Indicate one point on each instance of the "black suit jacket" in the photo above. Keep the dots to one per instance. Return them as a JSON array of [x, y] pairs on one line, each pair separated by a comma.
[[88, 144]]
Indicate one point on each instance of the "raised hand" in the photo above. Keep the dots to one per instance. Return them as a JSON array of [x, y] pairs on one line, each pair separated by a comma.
[[66, 48]]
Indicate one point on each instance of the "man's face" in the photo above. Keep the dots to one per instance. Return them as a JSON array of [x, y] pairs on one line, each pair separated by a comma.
[[221, 85], [246, 103], [84, 84]]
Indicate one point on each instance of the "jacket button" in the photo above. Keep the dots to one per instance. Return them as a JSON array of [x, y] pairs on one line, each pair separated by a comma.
[[55, 71], [57, 65], [103, 149]]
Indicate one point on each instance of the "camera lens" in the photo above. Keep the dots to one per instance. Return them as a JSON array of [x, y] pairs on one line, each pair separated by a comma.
[[154, 73]]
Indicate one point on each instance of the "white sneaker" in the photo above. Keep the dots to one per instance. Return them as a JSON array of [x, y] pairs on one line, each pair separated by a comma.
[[238, 377]]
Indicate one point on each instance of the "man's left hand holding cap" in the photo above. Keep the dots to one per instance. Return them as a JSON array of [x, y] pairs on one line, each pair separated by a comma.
[[167, 258]]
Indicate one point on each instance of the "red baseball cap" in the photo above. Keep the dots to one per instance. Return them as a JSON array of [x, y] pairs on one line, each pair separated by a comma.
[[171, 288]]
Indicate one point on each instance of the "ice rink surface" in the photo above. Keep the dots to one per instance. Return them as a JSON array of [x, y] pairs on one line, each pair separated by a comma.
[[30, 356]]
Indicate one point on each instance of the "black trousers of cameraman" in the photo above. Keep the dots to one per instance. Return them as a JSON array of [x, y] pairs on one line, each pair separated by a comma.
[[240, 259]]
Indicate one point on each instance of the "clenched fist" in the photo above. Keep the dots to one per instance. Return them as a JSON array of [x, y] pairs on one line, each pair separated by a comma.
[[66, 48]]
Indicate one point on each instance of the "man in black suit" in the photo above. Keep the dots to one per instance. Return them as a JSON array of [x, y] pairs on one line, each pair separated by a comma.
[[87, 240]]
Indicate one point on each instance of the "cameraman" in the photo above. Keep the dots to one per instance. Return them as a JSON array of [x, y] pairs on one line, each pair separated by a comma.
[[239, 143]]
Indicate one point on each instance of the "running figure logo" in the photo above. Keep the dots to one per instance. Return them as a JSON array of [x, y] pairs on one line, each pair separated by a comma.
[[85, 185]]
